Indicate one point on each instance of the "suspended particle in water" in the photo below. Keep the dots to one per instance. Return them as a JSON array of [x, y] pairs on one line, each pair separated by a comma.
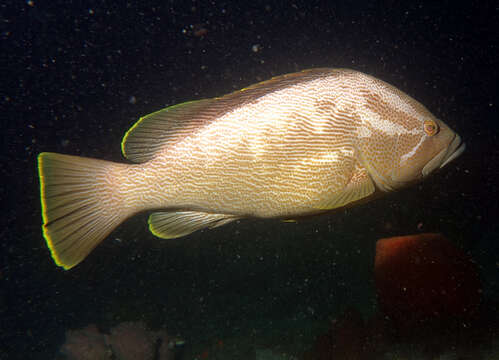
[[256, 48]]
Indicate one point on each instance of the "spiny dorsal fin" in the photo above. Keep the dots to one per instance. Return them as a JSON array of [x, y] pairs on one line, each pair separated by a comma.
[[169, 125]]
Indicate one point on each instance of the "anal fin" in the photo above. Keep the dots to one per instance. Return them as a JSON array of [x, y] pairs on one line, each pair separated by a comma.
[[170, 225]]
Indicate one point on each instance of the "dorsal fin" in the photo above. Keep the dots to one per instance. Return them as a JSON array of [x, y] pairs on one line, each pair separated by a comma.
[[146, 137], [169, 125]]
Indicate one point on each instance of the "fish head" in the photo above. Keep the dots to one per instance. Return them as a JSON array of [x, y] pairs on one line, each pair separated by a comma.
[[434, 147], [406, 143]]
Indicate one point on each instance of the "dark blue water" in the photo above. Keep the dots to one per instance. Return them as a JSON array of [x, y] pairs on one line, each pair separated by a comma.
[[77, 75]]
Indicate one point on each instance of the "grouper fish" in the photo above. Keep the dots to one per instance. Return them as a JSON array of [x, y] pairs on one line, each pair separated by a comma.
[[293, 146]]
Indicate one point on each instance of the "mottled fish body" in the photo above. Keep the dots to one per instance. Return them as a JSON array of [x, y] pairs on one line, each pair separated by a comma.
[[295, 145]]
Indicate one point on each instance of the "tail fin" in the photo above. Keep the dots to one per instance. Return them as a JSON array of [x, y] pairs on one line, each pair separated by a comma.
[[77, 207]]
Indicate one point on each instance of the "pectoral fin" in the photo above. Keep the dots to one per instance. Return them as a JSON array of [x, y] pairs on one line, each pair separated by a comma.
[[170, 225], [360, 187]]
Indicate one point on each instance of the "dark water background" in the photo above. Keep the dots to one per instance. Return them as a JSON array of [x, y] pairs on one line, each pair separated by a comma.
[[76, 75]]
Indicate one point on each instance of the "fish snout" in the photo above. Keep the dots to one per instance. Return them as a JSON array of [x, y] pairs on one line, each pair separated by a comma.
[[449, 153], [456, 148]]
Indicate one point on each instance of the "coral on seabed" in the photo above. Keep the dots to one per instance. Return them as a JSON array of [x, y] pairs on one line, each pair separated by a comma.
[[85, 344], [424, 282], [126, 341], [132, 341], [348, 338]]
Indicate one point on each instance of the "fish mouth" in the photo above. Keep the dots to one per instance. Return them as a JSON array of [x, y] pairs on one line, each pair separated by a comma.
[[455, 148]]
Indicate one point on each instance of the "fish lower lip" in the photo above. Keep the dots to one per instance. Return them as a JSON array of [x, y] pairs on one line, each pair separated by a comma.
[[456, 149]]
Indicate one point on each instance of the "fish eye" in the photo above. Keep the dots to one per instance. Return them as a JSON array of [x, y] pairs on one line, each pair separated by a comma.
[[430, 127]]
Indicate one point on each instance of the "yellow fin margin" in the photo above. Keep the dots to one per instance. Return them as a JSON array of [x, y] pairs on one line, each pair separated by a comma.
[[75, 220]]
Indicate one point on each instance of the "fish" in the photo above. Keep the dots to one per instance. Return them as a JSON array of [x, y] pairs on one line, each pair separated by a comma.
[[294, 146]]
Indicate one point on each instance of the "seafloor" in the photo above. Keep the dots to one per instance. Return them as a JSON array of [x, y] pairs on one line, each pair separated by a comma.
[[285, 297]]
